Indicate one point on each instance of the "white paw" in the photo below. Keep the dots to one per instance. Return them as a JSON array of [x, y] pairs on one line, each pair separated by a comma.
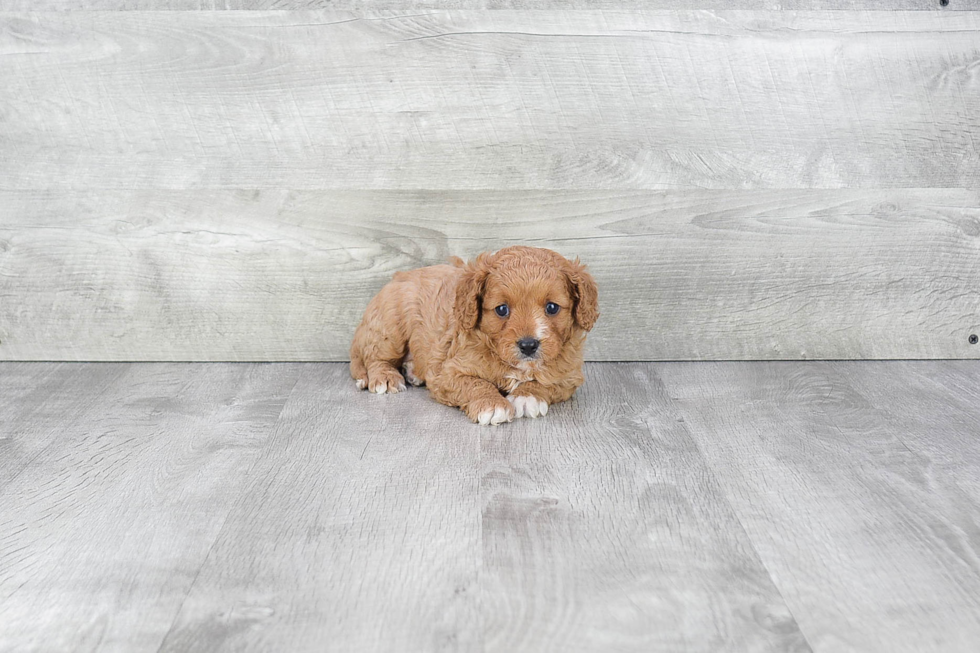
[[495, 416], [386, 387], [360, 383], [526, 406], [408, 369]]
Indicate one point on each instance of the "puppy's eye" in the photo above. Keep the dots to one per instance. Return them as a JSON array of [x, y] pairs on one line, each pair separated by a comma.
[[502, 310], [551, 308]]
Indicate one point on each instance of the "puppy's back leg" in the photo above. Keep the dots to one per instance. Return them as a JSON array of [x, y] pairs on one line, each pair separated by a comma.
[[408, 371], [379, 344], [357, 370], [374, 364]]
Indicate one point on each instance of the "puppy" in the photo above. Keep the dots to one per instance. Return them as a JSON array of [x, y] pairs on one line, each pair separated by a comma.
[[510, 322]]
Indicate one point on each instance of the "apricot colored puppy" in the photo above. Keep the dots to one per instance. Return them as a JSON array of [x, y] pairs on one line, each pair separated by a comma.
[[499, 337]]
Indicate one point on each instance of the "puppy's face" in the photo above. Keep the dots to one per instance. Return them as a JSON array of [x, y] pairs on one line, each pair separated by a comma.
[[527, 302], [527, 314]]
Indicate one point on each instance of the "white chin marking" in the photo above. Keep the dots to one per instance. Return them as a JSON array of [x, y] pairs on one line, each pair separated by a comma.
[[526, 406], [493, 417]]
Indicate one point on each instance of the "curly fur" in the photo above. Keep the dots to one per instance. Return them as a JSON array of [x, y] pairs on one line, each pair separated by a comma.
[[439, 324]]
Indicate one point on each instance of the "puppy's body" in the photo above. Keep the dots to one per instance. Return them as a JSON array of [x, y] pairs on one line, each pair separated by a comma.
[[410, 318], [443, 325]]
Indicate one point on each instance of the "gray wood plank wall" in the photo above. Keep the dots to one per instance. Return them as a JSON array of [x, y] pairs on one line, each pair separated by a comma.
[[406, 5], [235, 185]]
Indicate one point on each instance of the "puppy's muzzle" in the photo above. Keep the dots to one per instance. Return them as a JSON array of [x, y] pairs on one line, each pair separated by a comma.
[[528, 346]]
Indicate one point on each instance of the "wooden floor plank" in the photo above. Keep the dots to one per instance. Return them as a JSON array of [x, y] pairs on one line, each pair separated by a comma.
[[359, 531], [604, 530], [102, 536], [944, 415], [934, 410], [865, 514], [674, 507], [37, 400]]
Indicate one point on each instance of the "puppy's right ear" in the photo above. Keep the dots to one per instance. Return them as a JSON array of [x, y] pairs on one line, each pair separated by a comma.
[[469, 292]]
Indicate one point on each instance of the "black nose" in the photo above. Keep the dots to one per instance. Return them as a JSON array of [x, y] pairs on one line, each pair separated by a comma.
[[528, 345]]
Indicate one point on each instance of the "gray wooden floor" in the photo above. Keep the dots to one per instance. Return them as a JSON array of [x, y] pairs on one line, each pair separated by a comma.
[[668, 507]]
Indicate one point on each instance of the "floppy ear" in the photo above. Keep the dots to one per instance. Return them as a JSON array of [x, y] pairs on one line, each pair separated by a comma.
[[469, 292], [586, 295]]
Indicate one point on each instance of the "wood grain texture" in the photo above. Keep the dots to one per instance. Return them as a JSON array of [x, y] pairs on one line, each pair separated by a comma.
[[285, 275], [546, 99], [102, 533], [857, 483], [38, 400], [603, 530], [412, 5], [359, 531], [668, 507]]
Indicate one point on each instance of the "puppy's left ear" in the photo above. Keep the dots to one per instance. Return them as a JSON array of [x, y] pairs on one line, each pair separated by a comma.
[[586, 295]]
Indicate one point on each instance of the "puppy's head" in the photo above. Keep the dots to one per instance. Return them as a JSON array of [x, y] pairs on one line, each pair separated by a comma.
[[527, 302]]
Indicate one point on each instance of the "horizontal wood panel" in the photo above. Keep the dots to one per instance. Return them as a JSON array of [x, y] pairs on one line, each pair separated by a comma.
[[219, 5], [285, 275], [490, 100]]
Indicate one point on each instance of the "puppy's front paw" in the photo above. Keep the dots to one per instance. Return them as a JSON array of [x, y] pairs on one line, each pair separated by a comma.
[[385, 381], [490, 412], [528, 405]]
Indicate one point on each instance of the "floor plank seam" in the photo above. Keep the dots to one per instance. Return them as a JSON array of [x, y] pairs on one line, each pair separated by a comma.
[[680, 413], [224, 520], [667, 507]]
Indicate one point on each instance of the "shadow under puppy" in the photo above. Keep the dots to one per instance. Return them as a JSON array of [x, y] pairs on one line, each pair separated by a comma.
[[509, 322]]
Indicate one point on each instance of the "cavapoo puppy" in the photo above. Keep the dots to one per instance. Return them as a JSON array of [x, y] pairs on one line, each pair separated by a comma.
[[499, 337]]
